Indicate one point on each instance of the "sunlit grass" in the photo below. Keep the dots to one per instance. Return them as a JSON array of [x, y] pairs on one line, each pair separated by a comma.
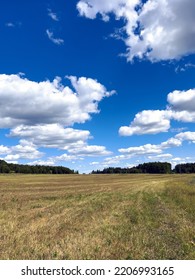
[[97, 216]]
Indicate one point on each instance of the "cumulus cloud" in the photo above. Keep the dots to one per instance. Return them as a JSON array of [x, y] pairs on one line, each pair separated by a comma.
[[154, 152], [149, 149], [74, 141], [182, 100], [186, 136], [153, 29], [77, 155], [181, 107], [49, 162], [25, 102], [4, 150], [66, 157], [114, 160], [170, 143], [57, 41], [24, 150], [147, 122], [142, 150], [89, 150], [91, 8], [50, 135]]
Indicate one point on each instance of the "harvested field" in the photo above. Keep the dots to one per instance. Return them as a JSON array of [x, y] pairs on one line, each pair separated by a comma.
[[97, 216]]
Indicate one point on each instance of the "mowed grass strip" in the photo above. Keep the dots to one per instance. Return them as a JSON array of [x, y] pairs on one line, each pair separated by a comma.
[[97, 216]]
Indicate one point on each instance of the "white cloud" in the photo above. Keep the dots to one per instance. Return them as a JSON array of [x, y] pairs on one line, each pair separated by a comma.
[[50, 135], [24, 150], [178, 129], [52, 15], [186, 136], [66, 157], [89, 150], [149, 149], [72, 155], [156, 30], [11, 158], [25, 102], [48, 162], [89, 90], [179, 160], [150, 152], [38, 113], [55, 160], [181, 107], [94, 163], [142, 150], [57, 41], [185, 67], [4, 150], [114, 160], [147, 122], [160, 157], [182, 100], [54, 136], [183, 116], [91, 8], [170, 143]]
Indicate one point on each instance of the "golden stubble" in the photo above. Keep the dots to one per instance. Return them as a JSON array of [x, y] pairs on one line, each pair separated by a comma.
[[132, 216]]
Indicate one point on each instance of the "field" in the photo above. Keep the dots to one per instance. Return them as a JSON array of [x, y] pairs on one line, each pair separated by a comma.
[[97, 216]]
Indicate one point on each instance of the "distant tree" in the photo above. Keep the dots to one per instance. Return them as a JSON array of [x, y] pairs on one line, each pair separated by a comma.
[[33, 169], [185, 168], [4, 168], [150, 167], [155, 167]]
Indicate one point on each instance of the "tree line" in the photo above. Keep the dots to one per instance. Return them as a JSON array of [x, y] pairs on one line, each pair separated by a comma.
[[185, 168], [33, 169], [149, 167]]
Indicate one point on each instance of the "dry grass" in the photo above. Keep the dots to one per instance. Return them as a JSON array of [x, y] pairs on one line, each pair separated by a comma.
[[97, 216]]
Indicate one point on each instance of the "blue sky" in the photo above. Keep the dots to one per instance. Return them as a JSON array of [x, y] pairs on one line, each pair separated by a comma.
[[91, 84]]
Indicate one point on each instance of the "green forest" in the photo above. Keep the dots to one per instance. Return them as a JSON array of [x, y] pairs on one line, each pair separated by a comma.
[[33, 169], [151, 168]]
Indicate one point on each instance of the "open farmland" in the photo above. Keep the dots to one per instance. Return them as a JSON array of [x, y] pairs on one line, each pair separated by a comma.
[[97, 216]]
